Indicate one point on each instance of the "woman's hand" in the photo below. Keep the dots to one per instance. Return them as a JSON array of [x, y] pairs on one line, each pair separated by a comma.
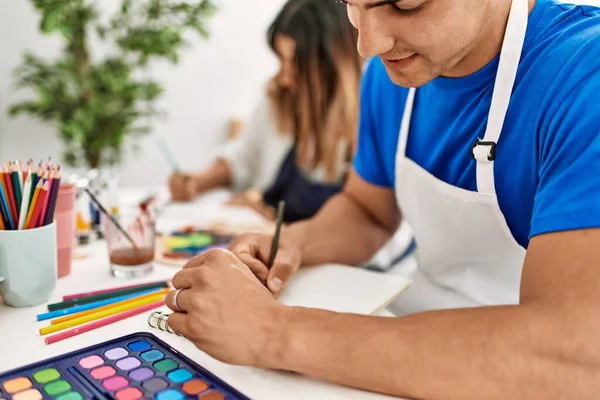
[[225, 311], [253, 199], [182, 187]]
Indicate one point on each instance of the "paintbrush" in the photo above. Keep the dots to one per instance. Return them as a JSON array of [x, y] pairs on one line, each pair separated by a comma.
[[112, 219], [168, 155]]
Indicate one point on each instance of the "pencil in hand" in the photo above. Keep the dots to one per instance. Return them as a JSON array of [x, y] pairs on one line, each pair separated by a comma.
[[278, 224]]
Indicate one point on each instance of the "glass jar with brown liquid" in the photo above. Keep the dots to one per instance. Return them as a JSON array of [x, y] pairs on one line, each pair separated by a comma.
[[131, 249]]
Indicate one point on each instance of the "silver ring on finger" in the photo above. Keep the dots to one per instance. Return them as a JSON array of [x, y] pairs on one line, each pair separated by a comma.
[[175, 303]]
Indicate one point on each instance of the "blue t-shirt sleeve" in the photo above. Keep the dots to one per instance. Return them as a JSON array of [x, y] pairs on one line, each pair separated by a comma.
[[568, 193], [368, 161]]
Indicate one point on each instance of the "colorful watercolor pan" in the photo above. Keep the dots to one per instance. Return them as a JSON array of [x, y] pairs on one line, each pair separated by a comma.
[[138, 366], [190, 242]]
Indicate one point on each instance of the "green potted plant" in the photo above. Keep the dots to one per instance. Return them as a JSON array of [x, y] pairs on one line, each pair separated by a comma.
[[97, 103]]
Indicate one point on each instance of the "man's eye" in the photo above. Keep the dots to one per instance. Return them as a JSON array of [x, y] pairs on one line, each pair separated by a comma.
[[407, 11]]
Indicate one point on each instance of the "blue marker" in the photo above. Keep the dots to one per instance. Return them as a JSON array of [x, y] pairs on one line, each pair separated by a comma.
[[90, 306]]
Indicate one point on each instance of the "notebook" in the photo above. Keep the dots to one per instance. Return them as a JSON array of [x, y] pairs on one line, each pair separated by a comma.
[[343, 289]]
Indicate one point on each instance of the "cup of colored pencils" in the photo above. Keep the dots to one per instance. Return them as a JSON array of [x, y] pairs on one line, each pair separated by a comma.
[[28, 238], [83, 312], [28, 194]]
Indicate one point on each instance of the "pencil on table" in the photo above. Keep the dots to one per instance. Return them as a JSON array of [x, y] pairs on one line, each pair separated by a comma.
[[102, 314], [91, 299], [78, 296], [107, 307], [102, 322], [92, 305]]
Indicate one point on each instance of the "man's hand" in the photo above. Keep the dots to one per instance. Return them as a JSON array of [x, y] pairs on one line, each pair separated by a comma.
[[224, 310], [254, 251]]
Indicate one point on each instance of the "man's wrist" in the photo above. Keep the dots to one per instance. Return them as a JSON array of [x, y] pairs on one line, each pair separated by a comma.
[[294, 235], [280, 341]]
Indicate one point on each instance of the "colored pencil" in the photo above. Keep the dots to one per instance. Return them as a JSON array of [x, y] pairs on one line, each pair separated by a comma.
[[34, 180], [89, 306], [27, 197], [12, 178], [105, 291], [91, 299], [2, 226], [41, 201], [103, 322], [3, 216], [101, 314], [53, 198], [10, 193], [17, 187], [107, 307], [275, 243], [5, 206], [34, 200], [21, 177], [112, 219], [44, 206], [27, 171], [25, 202]]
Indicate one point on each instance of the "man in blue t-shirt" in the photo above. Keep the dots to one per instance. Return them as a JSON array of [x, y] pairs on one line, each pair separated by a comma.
[[480, 126]]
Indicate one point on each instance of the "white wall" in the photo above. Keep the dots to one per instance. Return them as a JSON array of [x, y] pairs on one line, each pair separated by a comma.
[[216, 80]]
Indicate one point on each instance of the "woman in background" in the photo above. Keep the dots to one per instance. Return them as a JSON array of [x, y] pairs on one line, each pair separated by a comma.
[[300, 141], [299, 144]]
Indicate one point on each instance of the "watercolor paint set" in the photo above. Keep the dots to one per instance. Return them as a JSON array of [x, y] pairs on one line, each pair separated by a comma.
[[137, 366], [190, 242]]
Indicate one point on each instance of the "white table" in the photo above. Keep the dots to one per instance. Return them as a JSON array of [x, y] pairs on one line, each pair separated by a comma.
[[20, 343]]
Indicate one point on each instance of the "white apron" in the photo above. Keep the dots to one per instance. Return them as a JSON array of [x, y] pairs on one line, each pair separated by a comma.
[[466, 254]]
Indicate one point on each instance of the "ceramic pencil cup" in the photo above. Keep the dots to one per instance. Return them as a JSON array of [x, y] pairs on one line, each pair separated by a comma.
[[28, 266]]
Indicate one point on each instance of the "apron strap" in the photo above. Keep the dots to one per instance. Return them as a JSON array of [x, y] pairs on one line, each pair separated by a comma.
[[405, 127], [484, 151]]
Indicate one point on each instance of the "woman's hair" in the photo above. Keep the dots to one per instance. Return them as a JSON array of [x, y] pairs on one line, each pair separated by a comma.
[[322, 111]]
